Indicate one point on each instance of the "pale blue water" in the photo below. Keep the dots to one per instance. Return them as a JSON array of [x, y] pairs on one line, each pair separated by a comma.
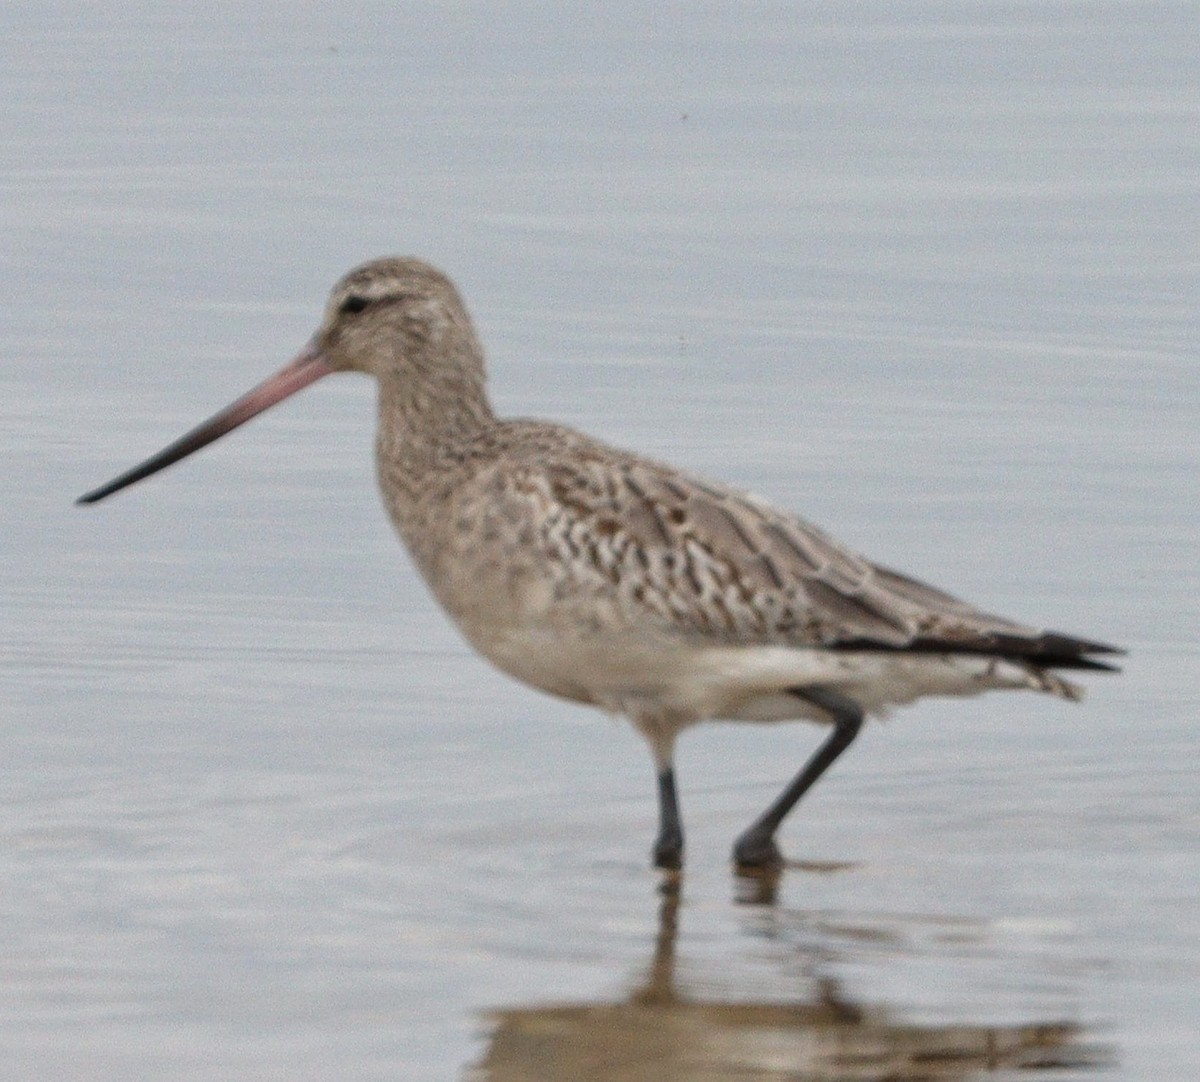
[[924, 272]]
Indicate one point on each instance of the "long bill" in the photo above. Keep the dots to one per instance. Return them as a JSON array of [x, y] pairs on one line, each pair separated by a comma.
[[308, 367]]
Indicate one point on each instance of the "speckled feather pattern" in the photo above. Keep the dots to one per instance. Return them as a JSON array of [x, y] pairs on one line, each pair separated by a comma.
[[609, 578], [698, 563]]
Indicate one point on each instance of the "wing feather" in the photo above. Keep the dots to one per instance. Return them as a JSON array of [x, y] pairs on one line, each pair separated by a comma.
[[713, 563]]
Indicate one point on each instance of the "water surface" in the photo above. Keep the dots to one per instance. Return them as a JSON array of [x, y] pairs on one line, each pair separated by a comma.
[[922, 272]]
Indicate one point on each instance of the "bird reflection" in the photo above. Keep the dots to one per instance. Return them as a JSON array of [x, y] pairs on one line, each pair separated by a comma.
[[659, 1032]]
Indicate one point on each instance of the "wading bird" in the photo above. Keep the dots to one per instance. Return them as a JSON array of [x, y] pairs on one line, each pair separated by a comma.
[[610, 579]]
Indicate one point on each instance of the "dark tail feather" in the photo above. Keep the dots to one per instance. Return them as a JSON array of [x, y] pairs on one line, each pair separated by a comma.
[[1055, 651], [1050, 650]]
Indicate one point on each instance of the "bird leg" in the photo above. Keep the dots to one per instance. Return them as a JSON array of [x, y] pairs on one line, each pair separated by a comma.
[[668, 846], [756, 848]]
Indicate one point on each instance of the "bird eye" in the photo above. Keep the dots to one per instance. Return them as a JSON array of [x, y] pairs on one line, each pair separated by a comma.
[[354, 303]]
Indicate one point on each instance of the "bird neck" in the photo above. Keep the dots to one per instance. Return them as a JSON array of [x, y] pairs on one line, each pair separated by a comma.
[[428, 413]]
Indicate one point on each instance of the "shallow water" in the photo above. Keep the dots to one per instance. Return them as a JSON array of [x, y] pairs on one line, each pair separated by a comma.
[[923, 272]]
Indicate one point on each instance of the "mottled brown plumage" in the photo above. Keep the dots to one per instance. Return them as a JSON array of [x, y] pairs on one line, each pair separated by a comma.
[[611, 579]]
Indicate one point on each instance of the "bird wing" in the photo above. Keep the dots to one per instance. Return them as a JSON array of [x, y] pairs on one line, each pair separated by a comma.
[[715, 564]]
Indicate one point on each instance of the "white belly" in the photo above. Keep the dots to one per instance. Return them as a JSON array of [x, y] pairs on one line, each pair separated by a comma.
[[691, 683]]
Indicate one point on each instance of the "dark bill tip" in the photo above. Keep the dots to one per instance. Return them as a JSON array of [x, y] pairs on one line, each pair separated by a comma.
[[307, 368]]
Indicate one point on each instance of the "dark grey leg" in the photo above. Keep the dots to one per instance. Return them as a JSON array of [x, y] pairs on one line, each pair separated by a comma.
[[756, 848], [668, 847]]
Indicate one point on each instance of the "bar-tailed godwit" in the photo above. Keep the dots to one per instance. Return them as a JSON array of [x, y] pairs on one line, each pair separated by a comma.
[[614, 580]]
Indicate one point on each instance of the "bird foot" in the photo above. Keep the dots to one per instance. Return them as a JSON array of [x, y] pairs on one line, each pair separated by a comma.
[[756, 852], [668, 852]]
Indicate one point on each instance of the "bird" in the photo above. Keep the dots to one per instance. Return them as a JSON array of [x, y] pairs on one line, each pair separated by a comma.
[[613, 580]]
